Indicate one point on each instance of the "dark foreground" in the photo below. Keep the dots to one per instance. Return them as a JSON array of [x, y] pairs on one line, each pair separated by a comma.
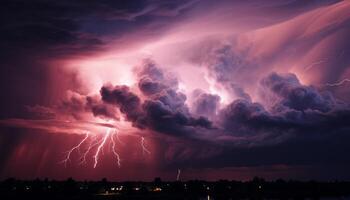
[[255, 189]]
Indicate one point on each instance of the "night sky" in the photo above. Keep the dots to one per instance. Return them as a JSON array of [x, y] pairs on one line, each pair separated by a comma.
[[137, 89]]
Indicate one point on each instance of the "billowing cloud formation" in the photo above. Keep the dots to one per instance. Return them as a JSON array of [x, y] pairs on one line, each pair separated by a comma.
[[227, 84], [294, 108], [285, 91], [124, 99], [152, 80], [288, 109], [79, 106], [205, 104], [99, 109], [289, 116], [163, 108]]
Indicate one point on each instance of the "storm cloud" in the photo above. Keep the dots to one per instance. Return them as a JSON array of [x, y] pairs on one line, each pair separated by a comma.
[[288, 109], [221, 84], [163, 108]]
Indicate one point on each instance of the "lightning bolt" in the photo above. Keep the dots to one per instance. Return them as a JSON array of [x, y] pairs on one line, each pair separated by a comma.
[[314, 64], [99, 144], [144, 149], [118, 139], [74, 148], [114, 149], [96, 156], [311, 65], [338, 83], [178, 174], [91, 145]]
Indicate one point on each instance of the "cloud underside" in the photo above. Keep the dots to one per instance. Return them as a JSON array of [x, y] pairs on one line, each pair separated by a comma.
[[287, 110]]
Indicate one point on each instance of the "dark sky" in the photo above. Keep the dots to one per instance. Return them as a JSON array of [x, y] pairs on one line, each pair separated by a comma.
[[130, 90]]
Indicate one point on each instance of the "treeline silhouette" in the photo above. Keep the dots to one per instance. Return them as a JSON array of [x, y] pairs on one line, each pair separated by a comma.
[[256, 188]]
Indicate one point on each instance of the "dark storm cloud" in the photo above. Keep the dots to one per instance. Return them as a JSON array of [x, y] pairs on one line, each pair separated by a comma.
[[205, 104], [121, 96], [163, 110], [99, 109], [293, 126], [314, 133], [288, 92], [152, 80], [295, 109], [149, 87], [243, 117], [290, 109], [163, 118], [78, 105]]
